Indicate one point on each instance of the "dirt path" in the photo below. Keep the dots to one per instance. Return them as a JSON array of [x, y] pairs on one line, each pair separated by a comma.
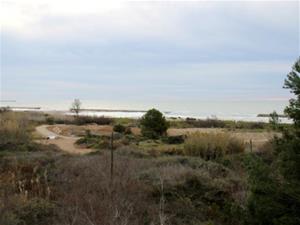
[[65, 143]]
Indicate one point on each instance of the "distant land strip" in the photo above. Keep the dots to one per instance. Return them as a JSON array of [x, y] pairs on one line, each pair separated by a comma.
[[268, 115], [113, 110], [20, 107], [117, 110]]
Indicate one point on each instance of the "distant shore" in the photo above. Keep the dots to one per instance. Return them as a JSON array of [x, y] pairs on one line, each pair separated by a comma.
[[138, 113]]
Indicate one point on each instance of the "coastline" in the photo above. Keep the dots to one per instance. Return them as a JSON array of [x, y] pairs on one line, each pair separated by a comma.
[[136, 114]]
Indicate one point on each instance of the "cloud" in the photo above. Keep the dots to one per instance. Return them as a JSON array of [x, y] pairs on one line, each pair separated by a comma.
[[164, 49], [102, 20]]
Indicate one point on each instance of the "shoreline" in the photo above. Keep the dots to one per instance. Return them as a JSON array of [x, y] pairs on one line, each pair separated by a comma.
[[136, 114]]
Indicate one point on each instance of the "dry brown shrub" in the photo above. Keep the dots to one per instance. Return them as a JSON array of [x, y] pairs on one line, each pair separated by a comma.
[[88, 194], [212, 145], [14, 129]]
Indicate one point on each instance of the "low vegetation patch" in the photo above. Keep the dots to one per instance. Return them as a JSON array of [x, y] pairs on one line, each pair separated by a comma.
[[15, 131], [212, 145]]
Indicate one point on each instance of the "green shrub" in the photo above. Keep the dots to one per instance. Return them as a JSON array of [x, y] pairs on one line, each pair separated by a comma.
[[154, 124], [119, 128], [36, 211], [94, 141], [50, 120], [212, 145], [179, 139]]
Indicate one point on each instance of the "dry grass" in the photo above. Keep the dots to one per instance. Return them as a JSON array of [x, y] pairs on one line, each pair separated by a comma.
[[14, 129], [212, 145]]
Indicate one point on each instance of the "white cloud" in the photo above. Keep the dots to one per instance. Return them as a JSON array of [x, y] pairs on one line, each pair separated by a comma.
[[104, 19]]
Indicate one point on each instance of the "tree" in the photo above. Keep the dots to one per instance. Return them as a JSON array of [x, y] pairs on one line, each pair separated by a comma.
[[274, 196], [76, 106], [154, 124], [274, 120], [292, 82]]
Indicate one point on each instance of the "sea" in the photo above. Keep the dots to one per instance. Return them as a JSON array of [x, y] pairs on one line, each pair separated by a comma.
[[223, 110]]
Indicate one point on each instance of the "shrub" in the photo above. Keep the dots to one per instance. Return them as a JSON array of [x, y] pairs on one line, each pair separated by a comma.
[[154, 124], [128, 131], [212, 145], [81, 120], [119, 128], [179, 139], [94, 141], [14, 130], [36, 211], [209, 123], [4, 109], [50, 120]]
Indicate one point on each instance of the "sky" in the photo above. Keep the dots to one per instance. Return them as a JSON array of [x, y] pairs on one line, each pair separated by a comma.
[[110, 52]]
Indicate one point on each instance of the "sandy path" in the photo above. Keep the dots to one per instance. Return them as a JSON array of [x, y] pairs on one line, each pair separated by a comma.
[[65, 143]]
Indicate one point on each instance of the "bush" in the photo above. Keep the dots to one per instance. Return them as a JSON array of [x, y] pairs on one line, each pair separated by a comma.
[[209, 123], [154, 124], [212, 145], [94, 141], [14, 130], [36, 211], [82, 120], [119, 128], [128, 131], [179, 139], [50, 120]]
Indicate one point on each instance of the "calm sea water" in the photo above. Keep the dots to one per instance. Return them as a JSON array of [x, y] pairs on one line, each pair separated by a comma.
[[232, 110]]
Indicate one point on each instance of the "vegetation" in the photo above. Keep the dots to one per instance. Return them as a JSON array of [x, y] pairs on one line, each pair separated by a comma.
[[198, 179], [212, 145], [154, 124], [14, 131], [119, 128], [274, 184], [293, 83], [274, 120], [215, 123], [76, 107]]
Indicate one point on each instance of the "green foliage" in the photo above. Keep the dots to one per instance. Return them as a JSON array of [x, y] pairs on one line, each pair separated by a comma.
[[195, 200], [179, 139], [119, 128], [288, 153], [154, 124], [274, 194], [50, 120], [274, 120], [212, 145], [262, 202], [293, 83], [215, 123], [94, 141], [270, 201]]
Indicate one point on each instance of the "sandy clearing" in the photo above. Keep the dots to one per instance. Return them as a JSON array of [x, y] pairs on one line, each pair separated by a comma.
[[65, 143]]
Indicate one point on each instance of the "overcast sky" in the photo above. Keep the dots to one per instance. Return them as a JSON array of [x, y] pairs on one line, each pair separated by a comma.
[[147, 50]]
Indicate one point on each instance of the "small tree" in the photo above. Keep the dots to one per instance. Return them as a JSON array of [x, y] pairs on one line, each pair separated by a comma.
[[274, 120], [154, 124], [76, 106]]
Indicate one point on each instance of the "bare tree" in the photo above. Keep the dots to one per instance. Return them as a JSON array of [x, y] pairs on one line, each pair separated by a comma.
[[76, 106]]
